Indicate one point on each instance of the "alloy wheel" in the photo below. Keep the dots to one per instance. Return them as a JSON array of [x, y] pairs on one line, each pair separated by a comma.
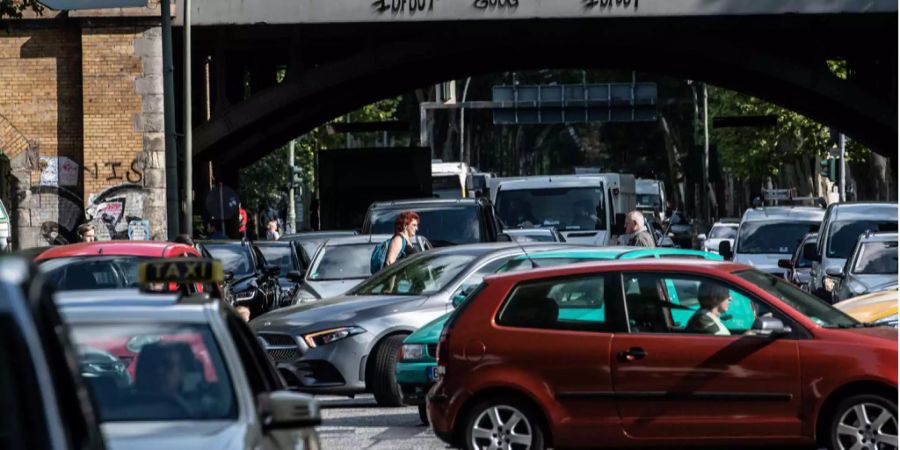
[[867, 426], [501, 428]]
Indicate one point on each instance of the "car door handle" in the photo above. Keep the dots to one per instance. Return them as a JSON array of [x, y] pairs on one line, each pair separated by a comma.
[[632, 354]]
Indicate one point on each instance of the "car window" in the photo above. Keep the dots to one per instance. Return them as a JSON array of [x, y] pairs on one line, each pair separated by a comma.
[[806, 304], [279, 255], [842, 236], [87, 273], [341, 262], [772, 237], [154, 371], [802, 262], [475, 279], [877, 258], [571, 208], [235, 258], [687, 304], [451, 225], [723, 233], [576, 304], [423, 274]]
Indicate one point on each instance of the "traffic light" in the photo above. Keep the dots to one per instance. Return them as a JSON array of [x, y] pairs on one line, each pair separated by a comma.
[[828, 168]]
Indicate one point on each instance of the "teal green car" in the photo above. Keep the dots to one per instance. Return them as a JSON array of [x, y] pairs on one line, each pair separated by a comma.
[[415, 371]]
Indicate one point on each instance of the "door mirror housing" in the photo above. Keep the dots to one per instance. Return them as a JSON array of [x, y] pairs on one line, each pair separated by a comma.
[[834, 271], [725, 250], [284, 410], [810, 253], [785, 264], [458, 299], [295, 275], [701, 237], [770, 327]]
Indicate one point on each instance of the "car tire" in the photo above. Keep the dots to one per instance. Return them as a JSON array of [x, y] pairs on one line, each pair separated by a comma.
[[384, 374], [845, 427], [423, 414], [482, 428]]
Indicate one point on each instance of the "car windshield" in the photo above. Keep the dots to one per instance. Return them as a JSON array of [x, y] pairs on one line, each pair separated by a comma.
[[451, 225], [877, 258], [421, 275], [154, 372], [341, 262], [446, 186], [533, 237], [723, 233], [95, 272], [566, 209], [811, 307], [842, 236], [649, 201], [772, 237], [235, 259], [278, 255]]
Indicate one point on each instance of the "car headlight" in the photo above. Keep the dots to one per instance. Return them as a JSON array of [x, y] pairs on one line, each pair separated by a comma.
[[889, 321], [328, 336], [412, 351], [244, 295]]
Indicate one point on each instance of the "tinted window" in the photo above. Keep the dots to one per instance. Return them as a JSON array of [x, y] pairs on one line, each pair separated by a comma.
[[444, 226], [578, 304], [85, 273], [562, 208], [803, 263], [424, 274], [649, 201], [842, 236], [141, 372], [818, 311], [723, 233], [339, 262], [446, 186], [773, 237], [278, 255], [877, 258], [235, 259]]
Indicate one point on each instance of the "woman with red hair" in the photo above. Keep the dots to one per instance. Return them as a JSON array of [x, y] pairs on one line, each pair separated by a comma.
[[405, 227]]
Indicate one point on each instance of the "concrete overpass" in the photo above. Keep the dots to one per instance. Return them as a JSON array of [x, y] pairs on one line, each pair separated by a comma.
[[343, 54]]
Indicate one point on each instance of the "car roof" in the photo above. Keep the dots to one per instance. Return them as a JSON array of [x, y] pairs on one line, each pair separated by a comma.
[[317, 235], [726, 224], [278, 243], [863, 211], [878, 237], [782, 213], [549, 181], [112, 305], [590, 253], [356, 240], [424, 202], [114, 248], [663, 265]]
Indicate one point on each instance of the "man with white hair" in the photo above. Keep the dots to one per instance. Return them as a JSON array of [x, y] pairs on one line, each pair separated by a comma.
[[637, 230]]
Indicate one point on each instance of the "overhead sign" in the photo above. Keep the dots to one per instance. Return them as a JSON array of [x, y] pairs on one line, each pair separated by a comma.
[[93, 4], [575, 103]]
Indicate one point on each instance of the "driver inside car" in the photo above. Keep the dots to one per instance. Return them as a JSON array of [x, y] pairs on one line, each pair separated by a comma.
[[160, 375]]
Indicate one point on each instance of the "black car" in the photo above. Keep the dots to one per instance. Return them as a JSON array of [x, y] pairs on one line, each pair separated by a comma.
[[680, 230], [284, 255], [308, 242], [251, 281], [444, 222], [45, 401]]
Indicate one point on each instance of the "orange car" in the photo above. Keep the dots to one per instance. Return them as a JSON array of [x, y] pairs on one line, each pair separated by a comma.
[[877, 307]]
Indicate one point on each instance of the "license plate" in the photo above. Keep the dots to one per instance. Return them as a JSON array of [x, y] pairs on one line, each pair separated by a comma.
[[430, 373]]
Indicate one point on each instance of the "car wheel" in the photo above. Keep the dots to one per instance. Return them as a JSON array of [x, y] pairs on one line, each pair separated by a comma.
[[866, 422], [423, 414], [503, 423], [384, 375]]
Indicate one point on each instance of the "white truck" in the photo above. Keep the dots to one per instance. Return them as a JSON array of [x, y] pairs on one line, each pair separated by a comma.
[[586, 209], [651, 197]]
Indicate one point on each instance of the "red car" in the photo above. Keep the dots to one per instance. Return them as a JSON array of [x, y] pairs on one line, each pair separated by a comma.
[[592, 355], [108, 264]]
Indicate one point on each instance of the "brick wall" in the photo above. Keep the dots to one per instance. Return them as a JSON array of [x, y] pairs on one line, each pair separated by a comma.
[[81, 121]]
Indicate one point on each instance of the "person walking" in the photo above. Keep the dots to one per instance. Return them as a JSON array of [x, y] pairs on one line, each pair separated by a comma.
[[636, 230], [405, 228], [86, 232]]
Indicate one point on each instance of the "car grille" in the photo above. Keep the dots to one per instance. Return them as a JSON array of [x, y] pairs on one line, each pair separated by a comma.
[[432, 350], [280, 347]]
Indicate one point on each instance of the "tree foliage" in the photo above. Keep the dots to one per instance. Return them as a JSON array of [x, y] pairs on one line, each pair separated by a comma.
[[13, 9]]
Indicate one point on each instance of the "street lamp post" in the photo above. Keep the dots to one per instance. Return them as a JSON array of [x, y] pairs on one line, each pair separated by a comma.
[[188, 225]]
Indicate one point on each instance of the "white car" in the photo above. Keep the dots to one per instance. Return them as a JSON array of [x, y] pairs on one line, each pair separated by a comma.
[[720, 232], [767, 234]]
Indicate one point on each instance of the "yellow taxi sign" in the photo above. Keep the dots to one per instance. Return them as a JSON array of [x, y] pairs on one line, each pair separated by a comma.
[[181, 270]]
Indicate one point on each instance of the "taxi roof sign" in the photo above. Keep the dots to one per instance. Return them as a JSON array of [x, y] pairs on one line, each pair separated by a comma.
[[181, 270]]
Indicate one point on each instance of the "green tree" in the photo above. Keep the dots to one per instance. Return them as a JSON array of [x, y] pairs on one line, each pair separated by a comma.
[[14, 8]]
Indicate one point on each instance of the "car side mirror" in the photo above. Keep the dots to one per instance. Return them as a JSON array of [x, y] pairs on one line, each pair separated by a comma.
[[701, 237], [834, 271], [458, 299], [725, 250], [810, 253], [785, 264], [284, 409], [295, 275], [770, 327], [273, 271]]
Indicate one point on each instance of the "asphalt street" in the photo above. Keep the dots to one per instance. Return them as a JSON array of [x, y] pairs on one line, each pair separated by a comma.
[[359, 424]]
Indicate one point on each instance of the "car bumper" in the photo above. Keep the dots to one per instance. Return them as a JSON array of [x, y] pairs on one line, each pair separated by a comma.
[[415, 379], [336, 368], [440, 415]]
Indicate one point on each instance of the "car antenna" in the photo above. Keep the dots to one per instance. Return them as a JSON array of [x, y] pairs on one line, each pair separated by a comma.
[[522, 247]]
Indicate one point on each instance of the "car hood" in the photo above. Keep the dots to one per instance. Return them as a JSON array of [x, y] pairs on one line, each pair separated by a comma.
[[331, 288], [429, 333], [871, 307], [873, 281], [587, 237], [766, 262], [180, 434], [346, 309]]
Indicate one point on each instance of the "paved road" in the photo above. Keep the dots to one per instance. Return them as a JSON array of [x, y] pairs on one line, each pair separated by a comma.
[[359, 424]]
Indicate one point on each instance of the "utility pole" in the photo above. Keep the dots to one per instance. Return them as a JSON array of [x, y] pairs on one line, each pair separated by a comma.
[[706, 205], [188, 225], [462, 124], [172, 214], [842, 144], [292, 211]]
